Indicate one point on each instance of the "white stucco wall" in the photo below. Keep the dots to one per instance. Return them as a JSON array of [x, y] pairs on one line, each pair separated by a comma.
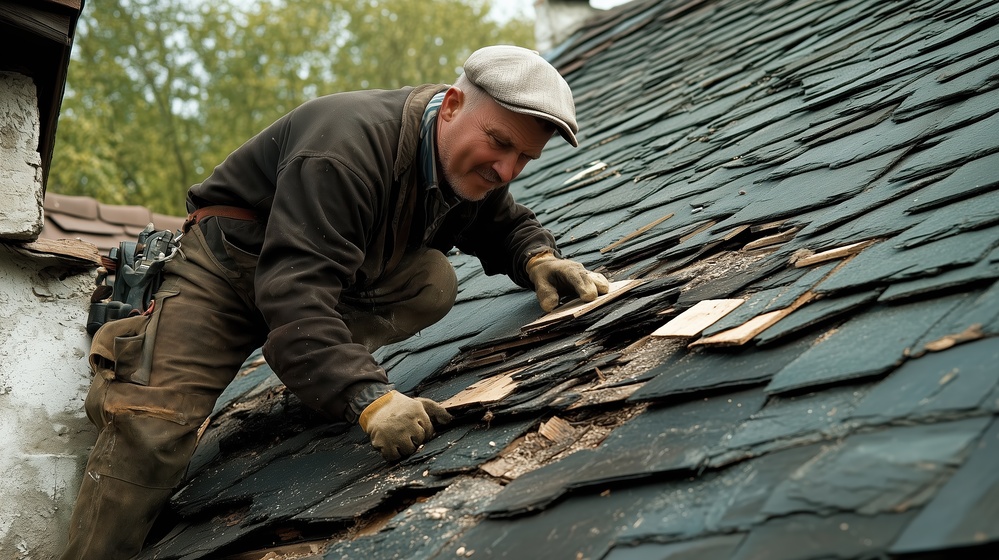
[[43, 380], [20, 163], [556, 20], [44, 434]]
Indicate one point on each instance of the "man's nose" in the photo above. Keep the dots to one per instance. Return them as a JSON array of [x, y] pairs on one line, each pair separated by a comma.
[[508, 167]]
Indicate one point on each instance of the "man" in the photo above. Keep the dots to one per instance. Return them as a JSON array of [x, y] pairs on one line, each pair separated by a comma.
[[323, 238]]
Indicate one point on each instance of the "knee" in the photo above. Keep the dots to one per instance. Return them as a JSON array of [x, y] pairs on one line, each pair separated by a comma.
[[442, 279], [440, 286], [147, 434]]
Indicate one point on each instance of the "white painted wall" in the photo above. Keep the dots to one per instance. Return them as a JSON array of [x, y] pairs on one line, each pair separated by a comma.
[[556, 20], [44, 433]]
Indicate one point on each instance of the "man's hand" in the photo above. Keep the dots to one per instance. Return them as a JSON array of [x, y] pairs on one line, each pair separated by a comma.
[[554, 277], [398, 424]]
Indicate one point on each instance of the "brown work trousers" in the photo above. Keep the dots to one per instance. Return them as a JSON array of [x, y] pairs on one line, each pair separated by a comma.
[[157, 377]]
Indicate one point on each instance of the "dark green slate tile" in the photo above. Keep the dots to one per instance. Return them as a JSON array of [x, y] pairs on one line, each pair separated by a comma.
[[846, 125], [810, 190], [537, 489], [972, 178], [650, 442], [643, 447], [810, 417], [582, 526], [964, 511], [805, 536], [961, 79], [718, 547], [969, 111], [418, 367], [978, 309], [201, 540], [770, 300], [637, 311], [289, 485], [359, 498], [423, 529], [814, 314], [675, 189], [937, 384], [709, 371], [882, 138], [976, 212], [480, 444], [882, 263], [685, 509], [743, 502], [876, 221], [878, 195], [868, 345], [883, 471], [984, 270], [733, 281], [971, 142], [258, 442]]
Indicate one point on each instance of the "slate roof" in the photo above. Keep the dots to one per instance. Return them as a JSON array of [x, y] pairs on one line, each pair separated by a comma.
[[724, 148], [104, 225]]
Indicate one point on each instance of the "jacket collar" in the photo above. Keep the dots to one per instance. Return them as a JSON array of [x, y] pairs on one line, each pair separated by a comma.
[[409, 135]]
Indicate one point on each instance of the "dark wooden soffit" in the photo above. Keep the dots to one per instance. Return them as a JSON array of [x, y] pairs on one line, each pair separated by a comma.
[[36, 38]]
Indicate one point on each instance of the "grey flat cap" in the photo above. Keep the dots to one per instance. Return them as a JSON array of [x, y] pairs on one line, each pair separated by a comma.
[[524, 82]]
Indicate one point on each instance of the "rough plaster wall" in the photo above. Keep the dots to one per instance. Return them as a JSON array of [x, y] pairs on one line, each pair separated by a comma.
[[44, 376], [20, 162]]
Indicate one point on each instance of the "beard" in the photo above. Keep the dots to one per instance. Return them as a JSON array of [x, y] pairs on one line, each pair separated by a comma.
[[464, 185], [466, 189]]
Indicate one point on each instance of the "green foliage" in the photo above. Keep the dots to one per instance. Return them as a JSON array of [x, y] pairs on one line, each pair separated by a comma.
[[160, 91]]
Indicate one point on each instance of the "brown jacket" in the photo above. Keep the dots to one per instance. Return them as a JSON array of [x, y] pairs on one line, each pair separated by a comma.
[[337, 183]]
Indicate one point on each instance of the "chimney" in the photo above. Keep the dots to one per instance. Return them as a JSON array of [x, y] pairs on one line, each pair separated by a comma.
[[557, 20]]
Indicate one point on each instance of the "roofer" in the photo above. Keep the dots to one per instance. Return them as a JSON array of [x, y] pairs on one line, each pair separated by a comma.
[[323, 238]]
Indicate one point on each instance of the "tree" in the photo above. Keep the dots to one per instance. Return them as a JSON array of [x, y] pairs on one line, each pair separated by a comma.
[[161, 90]]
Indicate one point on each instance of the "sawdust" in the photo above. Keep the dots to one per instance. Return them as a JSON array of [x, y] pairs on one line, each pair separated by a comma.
[[715, 267], [534, 450]]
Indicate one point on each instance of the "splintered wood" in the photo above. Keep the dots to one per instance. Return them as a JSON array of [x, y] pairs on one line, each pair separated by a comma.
[[490, 390], [832, 254], [577, 307], [752, 328], [747, 331], [557, 430], [691, 322]]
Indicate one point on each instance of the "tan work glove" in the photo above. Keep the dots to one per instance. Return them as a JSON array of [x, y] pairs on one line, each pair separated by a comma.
[[554, 277], [398, 424]]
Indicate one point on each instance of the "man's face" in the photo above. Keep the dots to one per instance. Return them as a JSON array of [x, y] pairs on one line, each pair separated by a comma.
[[482, 145]]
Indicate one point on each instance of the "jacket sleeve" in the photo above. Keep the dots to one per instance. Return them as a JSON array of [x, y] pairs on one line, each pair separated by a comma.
[[504, 235], [313, 246]]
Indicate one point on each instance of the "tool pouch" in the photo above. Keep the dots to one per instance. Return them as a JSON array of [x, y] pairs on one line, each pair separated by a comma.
[[137, 271]]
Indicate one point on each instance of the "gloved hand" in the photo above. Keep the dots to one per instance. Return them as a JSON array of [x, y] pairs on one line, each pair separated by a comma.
[[398, 424], [554, 277]]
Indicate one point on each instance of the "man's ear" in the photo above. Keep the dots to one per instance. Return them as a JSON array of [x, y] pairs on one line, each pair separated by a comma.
[[454, 98]]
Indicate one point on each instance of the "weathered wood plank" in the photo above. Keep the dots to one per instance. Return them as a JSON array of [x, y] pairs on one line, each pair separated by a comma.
[[691, 322], [490, 390], [832, 254], [577, 307]]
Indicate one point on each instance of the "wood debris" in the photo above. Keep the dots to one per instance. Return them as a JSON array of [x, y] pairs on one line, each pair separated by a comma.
[[691, 322]]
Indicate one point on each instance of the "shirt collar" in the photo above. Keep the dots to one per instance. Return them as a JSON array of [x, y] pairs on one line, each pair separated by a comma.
[[428, 145]]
